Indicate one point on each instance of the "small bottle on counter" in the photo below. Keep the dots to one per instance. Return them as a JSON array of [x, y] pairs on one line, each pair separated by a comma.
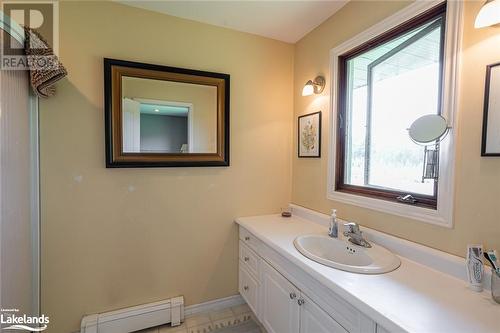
[[333, 230], [475, 267]]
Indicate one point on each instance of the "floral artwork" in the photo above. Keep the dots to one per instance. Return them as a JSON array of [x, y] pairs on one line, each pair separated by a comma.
[[309, 135]]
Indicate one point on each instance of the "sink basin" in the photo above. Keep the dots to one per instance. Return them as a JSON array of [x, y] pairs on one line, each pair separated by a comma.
[[341, 254]]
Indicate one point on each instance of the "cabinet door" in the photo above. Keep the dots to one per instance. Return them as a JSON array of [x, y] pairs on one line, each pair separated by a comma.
[[314, 320], [249, 289], [280, 310]]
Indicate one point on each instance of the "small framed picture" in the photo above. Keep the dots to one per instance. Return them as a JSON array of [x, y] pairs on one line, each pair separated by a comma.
[[491, 115], [309, 135]]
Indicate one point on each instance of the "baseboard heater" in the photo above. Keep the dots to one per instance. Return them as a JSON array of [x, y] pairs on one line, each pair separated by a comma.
[[136, 318]]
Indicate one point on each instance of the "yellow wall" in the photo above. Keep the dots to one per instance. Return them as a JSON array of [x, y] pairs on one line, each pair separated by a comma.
[[477, 186], [113, 238], [118, 237]]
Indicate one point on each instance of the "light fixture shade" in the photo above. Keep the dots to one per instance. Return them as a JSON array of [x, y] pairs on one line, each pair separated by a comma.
[[308, 89], [488, 15], [314, 87]]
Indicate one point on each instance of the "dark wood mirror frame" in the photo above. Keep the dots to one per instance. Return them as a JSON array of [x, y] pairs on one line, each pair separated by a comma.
[[116, 158]]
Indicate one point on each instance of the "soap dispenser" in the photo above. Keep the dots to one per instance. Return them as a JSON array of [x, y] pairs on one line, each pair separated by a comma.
[[333, 230]]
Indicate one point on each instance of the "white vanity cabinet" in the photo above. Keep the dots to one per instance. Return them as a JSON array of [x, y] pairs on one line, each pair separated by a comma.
[[314, 320], [285, 301], [280, 310], [249, 270], [286, 309], [249, 287]]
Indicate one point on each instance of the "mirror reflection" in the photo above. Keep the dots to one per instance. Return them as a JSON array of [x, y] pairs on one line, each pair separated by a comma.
[[428, 128], [168, 117], [428, 131]]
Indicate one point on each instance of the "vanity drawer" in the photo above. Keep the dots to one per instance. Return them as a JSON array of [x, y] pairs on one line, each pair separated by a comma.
[[250, 240], [248, 288], [249, 259]]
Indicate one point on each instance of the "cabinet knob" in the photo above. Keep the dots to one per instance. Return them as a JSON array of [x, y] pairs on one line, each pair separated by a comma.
[[245, 288], [247, 238], [246, 258], [300, 301], [293, 295]]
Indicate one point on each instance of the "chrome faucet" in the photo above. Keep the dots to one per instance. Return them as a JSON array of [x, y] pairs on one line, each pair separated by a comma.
[[355, 235]]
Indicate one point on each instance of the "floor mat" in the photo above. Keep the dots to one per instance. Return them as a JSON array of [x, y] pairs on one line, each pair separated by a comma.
[[248, 327], [236, 319]]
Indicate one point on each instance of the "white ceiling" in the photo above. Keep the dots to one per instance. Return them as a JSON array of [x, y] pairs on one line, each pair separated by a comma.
[[283, 20]]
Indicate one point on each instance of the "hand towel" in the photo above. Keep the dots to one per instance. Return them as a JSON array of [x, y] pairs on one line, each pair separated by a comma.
[[45, 68]]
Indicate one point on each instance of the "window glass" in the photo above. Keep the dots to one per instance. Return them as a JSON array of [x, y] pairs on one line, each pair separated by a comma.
[[387, 87]]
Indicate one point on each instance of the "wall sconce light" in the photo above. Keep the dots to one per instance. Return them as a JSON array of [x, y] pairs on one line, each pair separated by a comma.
[[317, 86], [488, 15]]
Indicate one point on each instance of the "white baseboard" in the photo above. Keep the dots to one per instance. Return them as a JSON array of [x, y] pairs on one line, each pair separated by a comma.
[[153, 314], [135, 318]]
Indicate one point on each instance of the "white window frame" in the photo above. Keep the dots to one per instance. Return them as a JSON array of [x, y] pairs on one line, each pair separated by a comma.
[[443, 215]]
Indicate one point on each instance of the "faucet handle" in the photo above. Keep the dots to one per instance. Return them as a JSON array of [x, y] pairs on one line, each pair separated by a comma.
[[355, 235], [352, 227]]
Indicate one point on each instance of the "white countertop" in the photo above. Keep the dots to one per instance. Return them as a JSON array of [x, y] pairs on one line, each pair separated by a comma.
[[414, 297]]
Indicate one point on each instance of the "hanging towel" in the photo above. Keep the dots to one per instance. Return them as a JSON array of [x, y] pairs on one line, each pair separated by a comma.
[[44, 66]]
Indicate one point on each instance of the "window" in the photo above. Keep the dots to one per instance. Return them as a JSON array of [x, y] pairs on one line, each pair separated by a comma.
[[383, 79], [385, 85]]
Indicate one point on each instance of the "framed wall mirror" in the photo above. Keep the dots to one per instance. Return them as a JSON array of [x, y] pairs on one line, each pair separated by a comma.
[[491, 115], [159, 116]]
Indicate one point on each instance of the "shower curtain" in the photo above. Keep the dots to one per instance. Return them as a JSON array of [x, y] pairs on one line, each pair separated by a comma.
[[19, 216]]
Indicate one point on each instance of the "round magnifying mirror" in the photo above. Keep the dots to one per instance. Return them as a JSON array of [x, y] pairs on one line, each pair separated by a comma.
[[428, 128]]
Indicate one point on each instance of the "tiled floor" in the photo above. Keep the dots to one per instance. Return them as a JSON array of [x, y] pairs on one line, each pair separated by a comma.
[[237, 319]]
